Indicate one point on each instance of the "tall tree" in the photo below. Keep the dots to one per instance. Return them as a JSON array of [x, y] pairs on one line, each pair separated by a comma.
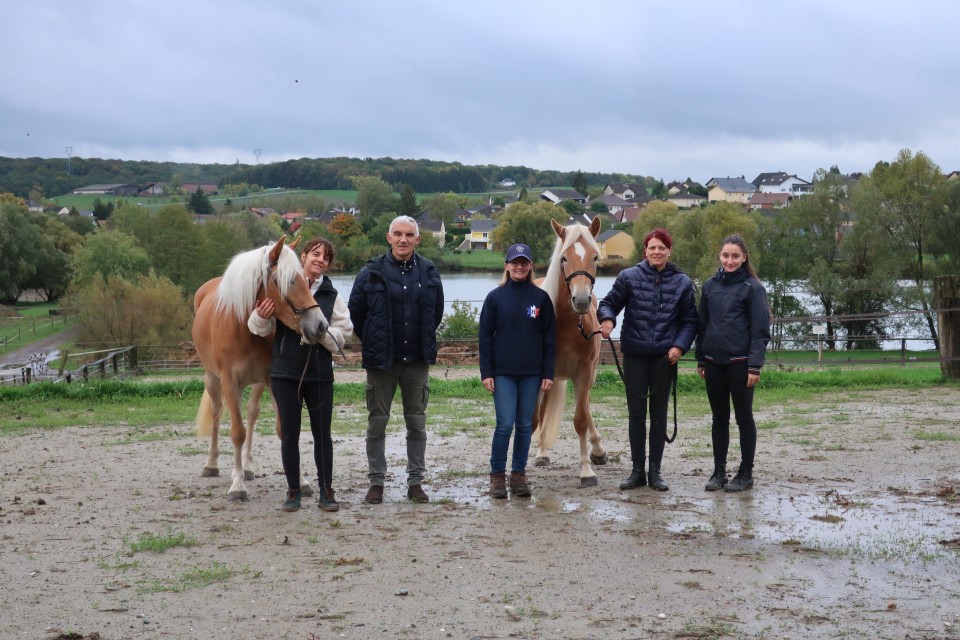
[[907, 199], [199, 203], [109, 253], [374, 198], [408, 202], [580, 183], [20, 246], [529, 224]]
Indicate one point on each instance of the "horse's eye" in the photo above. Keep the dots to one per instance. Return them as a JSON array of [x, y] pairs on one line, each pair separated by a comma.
[[563, 258], [595, 258]]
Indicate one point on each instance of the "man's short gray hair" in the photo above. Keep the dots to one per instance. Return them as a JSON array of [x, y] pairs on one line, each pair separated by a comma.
[[406, 219]]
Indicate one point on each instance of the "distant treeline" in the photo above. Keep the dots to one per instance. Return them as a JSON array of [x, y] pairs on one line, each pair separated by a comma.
[[50, 176]]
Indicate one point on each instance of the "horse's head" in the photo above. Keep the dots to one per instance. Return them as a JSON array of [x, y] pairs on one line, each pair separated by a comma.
[[288, 288], [578, 255]]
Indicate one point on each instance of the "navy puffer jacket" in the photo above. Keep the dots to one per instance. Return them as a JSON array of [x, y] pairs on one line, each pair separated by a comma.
[[370, 312], [659, 309], [734, 320]]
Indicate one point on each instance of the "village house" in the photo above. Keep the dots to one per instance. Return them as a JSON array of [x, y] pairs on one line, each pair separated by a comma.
[[436, 228], [556, 196], [479, 237], [615, 245], [736, 190], [686, 200], [627, 191], [781, 182]]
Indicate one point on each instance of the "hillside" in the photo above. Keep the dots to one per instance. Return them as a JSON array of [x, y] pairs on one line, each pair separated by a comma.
[[49, 176]]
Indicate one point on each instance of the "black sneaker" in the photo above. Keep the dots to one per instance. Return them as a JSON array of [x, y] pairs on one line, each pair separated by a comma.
[[718, 480], [743, 481]]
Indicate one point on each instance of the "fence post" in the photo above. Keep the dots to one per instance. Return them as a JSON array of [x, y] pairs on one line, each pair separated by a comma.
[[947, 291]]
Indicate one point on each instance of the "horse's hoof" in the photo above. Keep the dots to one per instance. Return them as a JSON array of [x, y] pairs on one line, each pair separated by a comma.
[[541, 462], [237, 496], [210, 473], [598, 459], [248, 475], [306, 490], [590, 481]]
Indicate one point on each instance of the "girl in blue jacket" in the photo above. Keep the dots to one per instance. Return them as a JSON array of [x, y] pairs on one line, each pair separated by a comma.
[[732, 337], [518, 336]]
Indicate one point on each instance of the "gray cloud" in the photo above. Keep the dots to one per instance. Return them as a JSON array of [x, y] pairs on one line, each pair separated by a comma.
[[690, 89]]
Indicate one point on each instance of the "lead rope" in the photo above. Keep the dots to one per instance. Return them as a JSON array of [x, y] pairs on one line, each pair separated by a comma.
[[671, 368]]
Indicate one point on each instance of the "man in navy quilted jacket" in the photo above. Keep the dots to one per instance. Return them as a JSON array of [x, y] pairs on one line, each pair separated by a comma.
[[396, 305]]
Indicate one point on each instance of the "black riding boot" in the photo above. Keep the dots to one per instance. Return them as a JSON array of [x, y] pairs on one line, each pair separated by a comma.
[[655, 480], [743, 480], [719, 478], [636, 479]]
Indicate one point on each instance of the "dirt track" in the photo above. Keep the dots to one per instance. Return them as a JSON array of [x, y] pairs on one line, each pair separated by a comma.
[[852, 531]]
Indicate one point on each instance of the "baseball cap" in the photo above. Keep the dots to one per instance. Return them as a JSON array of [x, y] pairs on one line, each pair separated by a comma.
[[519, 250]]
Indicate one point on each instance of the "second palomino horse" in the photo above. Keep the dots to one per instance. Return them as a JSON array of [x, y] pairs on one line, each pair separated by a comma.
[[233, 358], [569, 282]]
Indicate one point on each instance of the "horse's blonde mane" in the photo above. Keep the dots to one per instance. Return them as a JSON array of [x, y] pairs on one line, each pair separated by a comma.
[[247, 272], [551, 282]]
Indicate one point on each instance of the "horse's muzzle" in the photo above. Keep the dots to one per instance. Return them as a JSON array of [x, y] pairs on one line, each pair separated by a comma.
[[313, 325]]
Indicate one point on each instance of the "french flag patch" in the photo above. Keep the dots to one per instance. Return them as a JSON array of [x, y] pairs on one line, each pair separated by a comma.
[[533, 311]]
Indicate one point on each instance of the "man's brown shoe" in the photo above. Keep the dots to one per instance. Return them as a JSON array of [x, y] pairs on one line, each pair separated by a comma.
[[415, 492], [374, 494]]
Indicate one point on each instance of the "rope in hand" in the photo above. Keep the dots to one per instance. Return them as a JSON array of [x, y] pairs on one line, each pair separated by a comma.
[[671, 372]]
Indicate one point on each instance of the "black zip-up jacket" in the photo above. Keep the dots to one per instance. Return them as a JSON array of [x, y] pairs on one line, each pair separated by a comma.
[[372, 316], [734, 320], [293, 360], [660, 309], [518, 332]]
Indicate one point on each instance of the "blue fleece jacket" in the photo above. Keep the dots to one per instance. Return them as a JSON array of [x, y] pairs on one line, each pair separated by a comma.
[[518, 332]]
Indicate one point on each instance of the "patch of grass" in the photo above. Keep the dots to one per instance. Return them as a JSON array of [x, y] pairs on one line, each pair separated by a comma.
[[709, 630], [935, 436], [193, 578], [159, 543]]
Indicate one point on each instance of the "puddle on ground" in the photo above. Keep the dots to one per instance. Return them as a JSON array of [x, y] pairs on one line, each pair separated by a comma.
[[863, 525], [886, 527]]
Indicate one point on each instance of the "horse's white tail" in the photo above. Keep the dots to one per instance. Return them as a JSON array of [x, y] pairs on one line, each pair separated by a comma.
[[205, 418], [552, 415]]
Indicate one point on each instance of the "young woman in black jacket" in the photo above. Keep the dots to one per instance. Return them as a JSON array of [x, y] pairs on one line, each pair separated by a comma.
[[732, 336]]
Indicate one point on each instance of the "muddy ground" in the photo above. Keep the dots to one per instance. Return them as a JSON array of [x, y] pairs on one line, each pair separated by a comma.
[[853, 530]]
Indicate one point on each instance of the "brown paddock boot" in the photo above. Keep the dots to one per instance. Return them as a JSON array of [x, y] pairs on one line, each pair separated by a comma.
[[374, 494], [498, 485], [518, 484], [416, 493]]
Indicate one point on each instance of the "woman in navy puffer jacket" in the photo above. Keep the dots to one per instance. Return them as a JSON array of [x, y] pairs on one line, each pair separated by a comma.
[[659, 324]]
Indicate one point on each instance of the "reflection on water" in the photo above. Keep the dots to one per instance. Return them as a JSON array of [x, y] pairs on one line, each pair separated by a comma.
[[874, 526]]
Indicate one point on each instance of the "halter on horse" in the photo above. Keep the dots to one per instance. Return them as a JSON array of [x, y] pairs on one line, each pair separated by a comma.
[[234, 358], [569, 282]]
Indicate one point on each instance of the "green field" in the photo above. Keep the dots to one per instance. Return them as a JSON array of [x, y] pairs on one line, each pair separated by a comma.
[[330, 196]]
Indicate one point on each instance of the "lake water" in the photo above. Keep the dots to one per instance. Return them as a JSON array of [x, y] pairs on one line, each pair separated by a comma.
[[472, 288]]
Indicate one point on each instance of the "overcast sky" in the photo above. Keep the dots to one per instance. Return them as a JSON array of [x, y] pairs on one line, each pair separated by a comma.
[[670, 89]]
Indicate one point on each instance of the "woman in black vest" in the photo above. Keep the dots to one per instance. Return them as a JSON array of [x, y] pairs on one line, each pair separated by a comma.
[[302, 374]]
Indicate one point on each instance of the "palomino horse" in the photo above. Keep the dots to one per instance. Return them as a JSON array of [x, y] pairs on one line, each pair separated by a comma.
[[234, 358], [569, 282]]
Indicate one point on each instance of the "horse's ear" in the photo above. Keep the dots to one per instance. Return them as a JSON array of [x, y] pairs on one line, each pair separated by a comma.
[[275, 251], [558, 228], [595, 226], [293, 245]]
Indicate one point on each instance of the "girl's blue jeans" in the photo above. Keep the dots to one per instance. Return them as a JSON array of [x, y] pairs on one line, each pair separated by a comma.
[[514, 399]]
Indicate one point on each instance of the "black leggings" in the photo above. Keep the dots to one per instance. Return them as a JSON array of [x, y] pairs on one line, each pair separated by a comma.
[[647, 377], [319, 401], [726, 382]]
